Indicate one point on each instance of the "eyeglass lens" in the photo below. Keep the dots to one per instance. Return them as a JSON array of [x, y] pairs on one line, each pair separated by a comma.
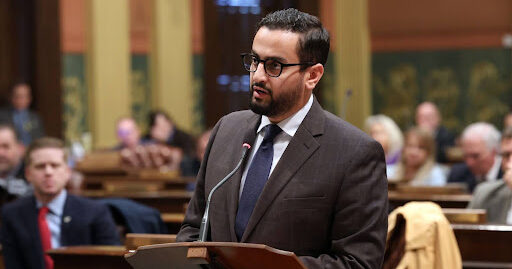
[[272, 67]]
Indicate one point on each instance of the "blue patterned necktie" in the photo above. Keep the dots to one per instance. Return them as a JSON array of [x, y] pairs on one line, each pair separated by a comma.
[[257, 176]]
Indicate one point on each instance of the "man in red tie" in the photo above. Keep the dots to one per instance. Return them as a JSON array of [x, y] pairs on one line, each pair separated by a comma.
[[51, 218]]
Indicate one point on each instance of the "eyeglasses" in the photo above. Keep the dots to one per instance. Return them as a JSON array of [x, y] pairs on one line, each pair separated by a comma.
[[272, 67]]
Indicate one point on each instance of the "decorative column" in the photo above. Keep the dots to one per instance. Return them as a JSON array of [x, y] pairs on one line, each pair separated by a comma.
[[108, 68], [353, 60], [171, 61]]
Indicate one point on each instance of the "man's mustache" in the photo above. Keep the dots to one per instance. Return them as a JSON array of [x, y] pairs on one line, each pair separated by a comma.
[[257, 84]]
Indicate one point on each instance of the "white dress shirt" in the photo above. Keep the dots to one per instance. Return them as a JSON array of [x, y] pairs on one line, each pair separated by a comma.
[[54, 216], [289, 127], [492, 175]]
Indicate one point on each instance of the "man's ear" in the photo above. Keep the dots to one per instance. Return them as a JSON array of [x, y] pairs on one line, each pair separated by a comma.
[[314, 74]]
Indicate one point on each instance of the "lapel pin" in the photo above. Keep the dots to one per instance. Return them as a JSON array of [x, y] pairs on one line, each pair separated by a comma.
[[67, 219]]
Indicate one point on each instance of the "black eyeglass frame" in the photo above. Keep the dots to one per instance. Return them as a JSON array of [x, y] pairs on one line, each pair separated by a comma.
[[258, 60]]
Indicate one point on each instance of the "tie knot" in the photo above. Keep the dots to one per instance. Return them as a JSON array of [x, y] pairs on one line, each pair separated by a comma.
[[43, 211], [271, 131]]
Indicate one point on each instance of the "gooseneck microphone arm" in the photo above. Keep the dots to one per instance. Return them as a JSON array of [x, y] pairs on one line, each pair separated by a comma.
[[203, 231]]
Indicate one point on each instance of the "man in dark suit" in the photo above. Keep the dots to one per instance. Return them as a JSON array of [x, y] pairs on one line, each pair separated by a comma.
[[50, 218], [480, 144], [496, 197], [12, 178], [27, 124], [312, 184], [429, 118]]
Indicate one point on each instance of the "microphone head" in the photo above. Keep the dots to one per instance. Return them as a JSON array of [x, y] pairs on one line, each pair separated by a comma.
[[246, 145]]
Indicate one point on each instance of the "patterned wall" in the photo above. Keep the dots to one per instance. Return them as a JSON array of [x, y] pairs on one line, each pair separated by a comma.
[[75, 97], [467, 85], [140, 89]]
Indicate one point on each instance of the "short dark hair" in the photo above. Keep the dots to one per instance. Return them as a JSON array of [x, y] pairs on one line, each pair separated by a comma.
[[154, 114], [314, 40], [44, 143]]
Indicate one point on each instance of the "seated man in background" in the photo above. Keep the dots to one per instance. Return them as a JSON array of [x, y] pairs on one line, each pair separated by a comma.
[[12, 182], [480, 144], [496, 197], [27, 124], [429, 118], [128, 133], [51, 218]]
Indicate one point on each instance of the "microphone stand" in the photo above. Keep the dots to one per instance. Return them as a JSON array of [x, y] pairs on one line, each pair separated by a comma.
[[203, 231]]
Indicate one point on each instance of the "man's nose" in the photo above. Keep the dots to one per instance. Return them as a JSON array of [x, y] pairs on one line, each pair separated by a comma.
[[48, 169], [259, 74]]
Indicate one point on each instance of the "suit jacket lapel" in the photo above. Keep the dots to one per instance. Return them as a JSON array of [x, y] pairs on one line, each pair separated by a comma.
[[234, 184], [300, 148], [66, 221], [32, 220], [507, 194]]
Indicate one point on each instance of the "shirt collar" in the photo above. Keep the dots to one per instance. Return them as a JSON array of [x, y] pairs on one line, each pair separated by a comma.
[[291, 124], [56, 206], [495, 169]]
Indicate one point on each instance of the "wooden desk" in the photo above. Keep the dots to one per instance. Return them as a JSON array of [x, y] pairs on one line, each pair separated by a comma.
[[115, 182], [484, 246], [397, 199], [86, 257], [171, 201], [465, 215]]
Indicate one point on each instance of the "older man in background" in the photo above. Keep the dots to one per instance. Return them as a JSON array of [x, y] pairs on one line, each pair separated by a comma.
[[496, 197], [480, 144], [128, 133]]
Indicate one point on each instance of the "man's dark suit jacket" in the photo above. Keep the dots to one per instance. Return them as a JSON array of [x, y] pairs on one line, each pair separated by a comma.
[[460, 173], [326, 200], [444, 140], [85, 222], [35, 126]]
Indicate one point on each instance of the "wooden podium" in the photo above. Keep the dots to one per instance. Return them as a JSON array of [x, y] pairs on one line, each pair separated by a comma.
[[217, 254]]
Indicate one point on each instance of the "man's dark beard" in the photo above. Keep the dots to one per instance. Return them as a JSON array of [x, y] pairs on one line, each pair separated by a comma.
[[276, 106]]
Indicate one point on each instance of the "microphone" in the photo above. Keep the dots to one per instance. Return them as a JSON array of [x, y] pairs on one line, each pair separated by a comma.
[[203, 231], [348, 94]]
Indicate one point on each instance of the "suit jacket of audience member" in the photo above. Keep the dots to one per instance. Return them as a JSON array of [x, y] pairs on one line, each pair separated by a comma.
[[14, 184], [460, 173], [444, 140], [34, 125], [326, 199], [184, 141], [84, 222], [495, 198]]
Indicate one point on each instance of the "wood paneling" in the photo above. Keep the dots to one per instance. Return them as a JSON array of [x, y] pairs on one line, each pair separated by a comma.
[[140, 25], [73, 26], [47, 65], [8, 49], [438, 24]]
